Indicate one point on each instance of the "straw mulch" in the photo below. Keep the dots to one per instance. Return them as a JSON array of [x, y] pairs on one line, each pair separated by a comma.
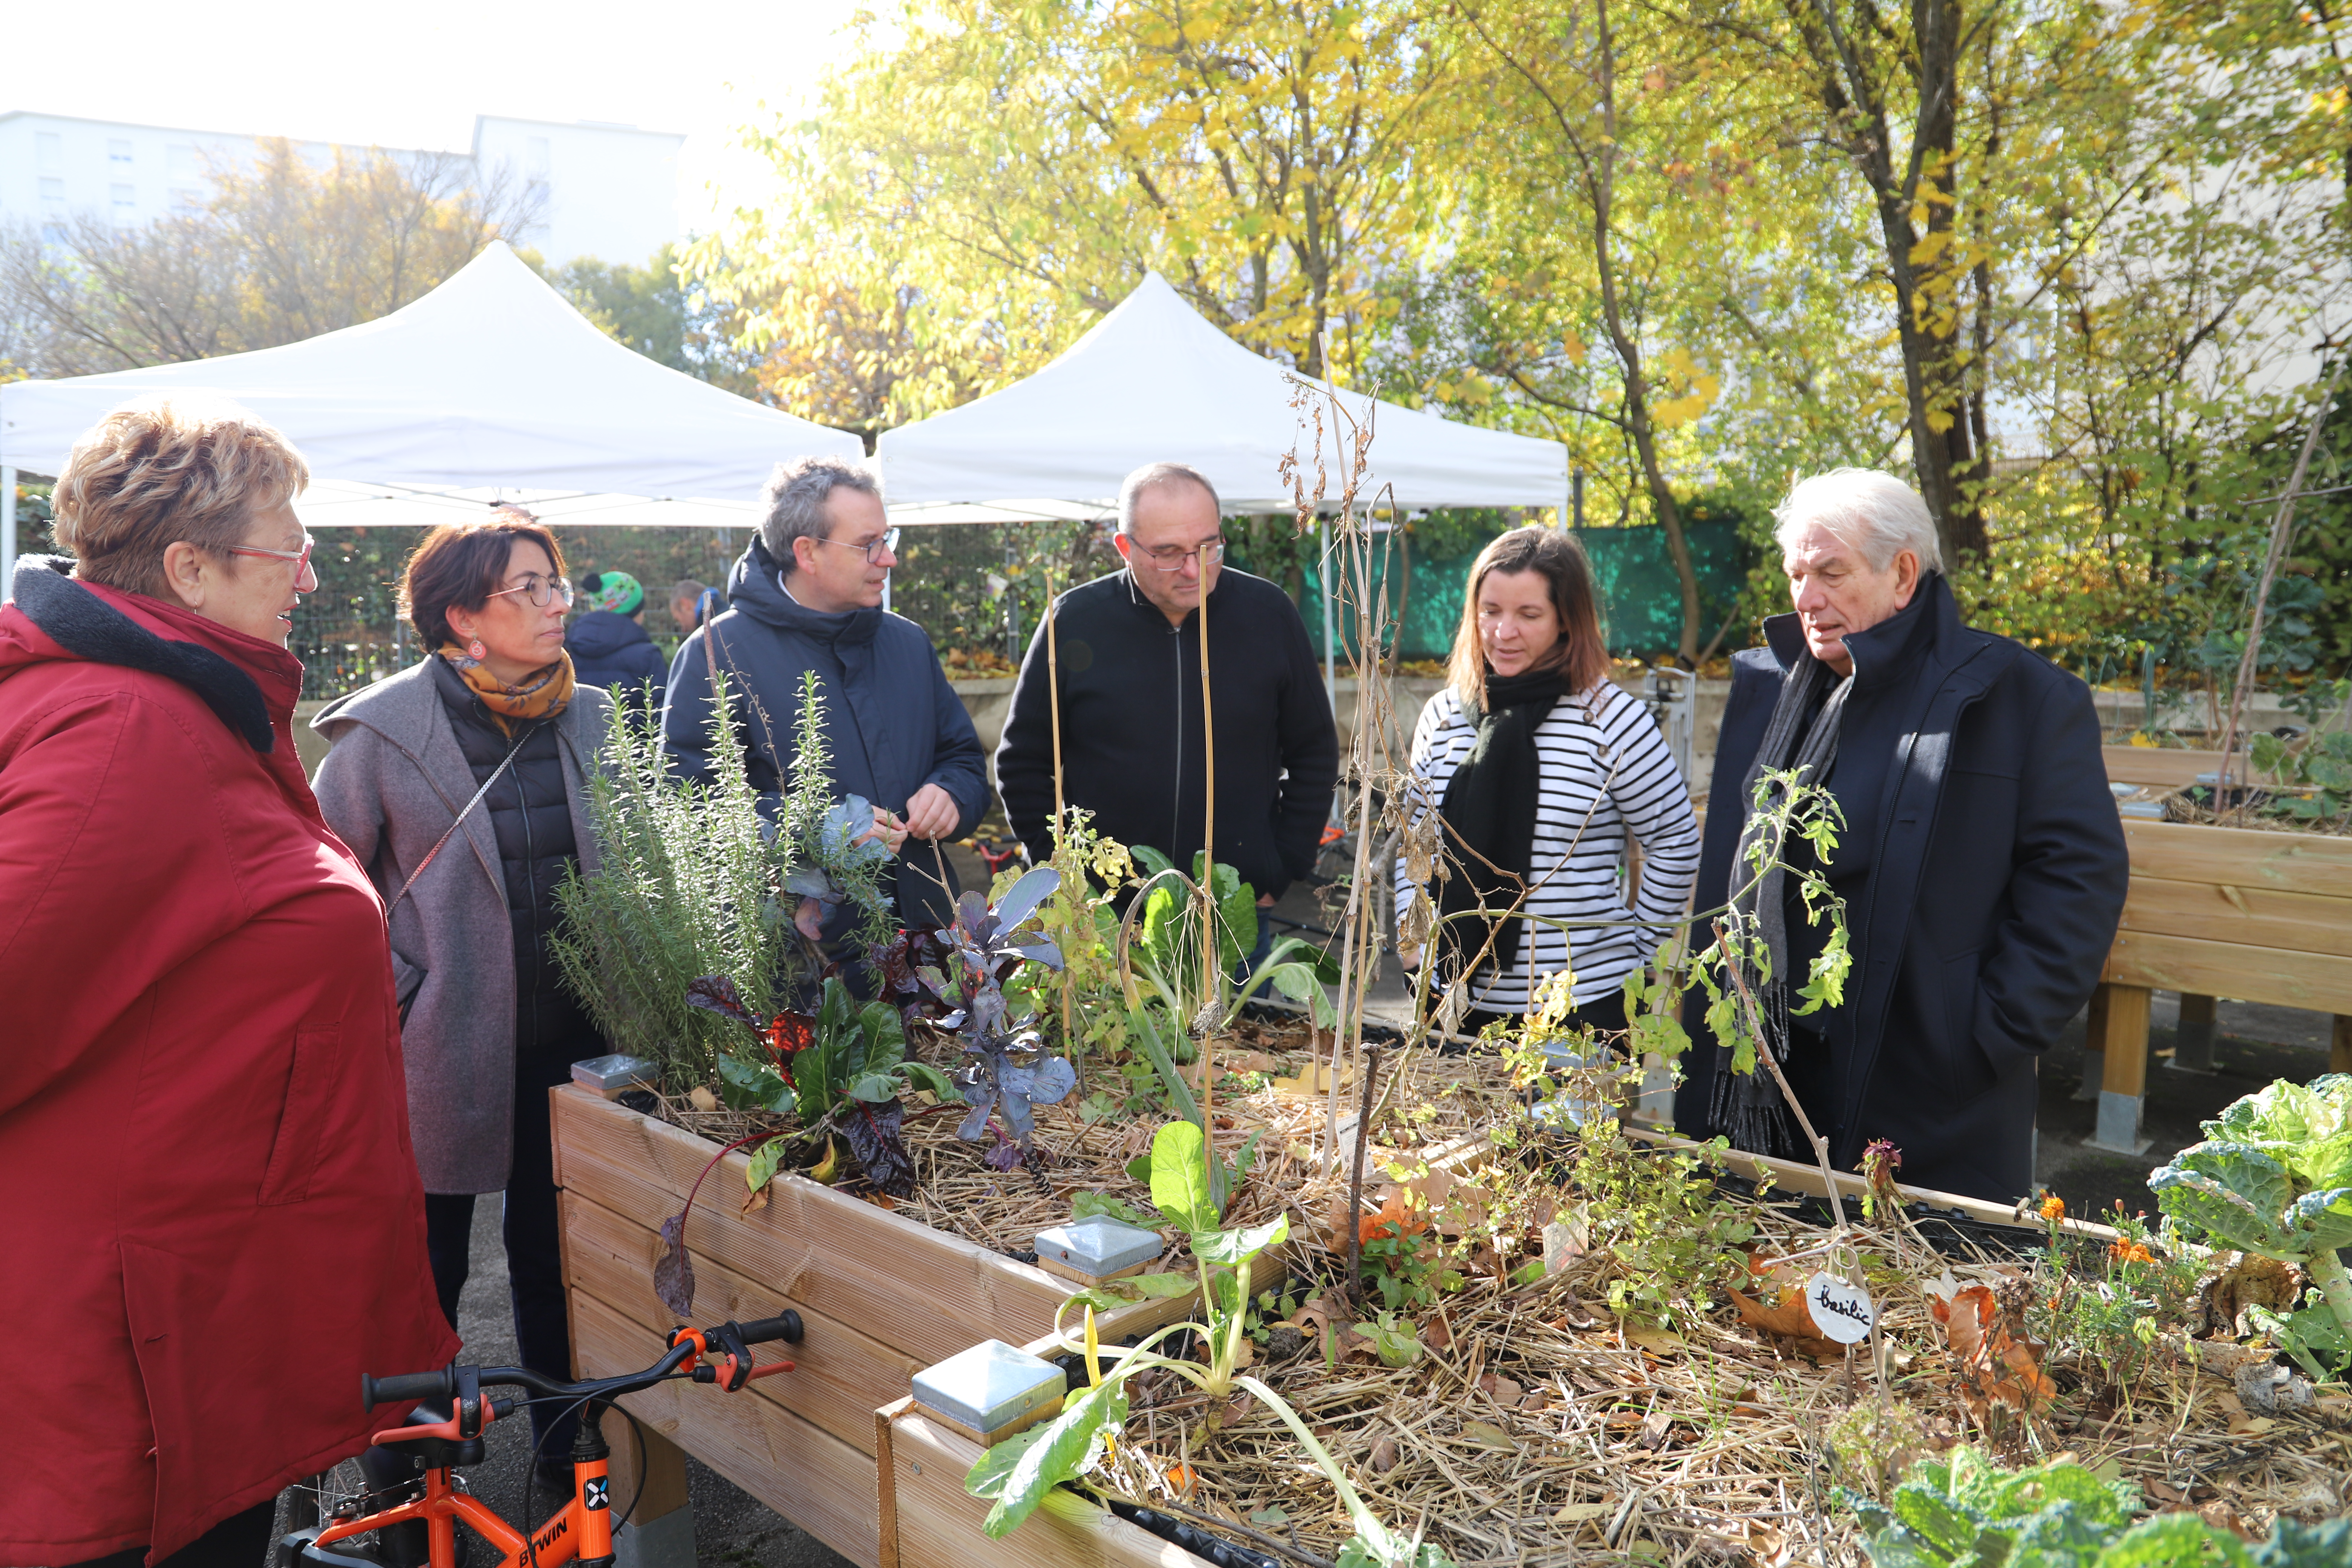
[[1538, 1427]]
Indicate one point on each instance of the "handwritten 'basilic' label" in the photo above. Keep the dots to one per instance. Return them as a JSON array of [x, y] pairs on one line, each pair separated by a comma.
[[1840, 1311]]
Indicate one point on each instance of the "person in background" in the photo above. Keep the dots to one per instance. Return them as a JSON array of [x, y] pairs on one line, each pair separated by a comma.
[[1129, 650], [687, 599], [462, 784], [806, 598], [1980, 861], [1545, 773], [212, 1224], [608, 643]]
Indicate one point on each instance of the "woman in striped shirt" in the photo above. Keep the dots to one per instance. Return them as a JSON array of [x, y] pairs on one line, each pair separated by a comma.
[[1541, 767]]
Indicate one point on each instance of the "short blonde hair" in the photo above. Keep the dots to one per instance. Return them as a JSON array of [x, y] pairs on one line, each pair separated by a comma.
[[158, 471]]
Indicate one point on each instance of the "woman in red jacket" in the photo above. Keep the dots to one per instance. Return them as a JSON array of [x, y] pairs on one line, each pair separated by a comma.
[[213, 1223]]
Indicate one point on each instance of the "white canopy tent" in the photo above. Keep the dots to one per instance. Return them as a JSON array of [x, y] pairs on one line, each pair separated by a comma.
[[490, 387], [1154, 381]]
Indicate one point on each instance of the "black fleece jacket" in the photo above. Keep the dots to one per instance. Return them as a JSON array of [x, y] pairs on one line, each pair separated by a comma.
[[1131, 750]]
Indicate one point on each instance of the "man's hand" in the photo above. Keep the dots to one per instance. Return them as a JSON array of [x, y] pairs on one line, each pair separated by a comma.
[[932, 813]]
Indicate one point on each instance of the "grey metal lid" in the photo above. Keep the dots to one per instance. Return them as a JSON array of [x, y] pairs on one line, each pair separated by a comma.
[[615, 1071], [1098, 1245], [989, 1386]]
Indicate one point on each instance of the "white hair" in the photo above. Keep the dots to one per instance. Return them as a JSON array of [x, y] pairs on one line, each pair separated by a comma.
[[1152, 476], [1871, 511]]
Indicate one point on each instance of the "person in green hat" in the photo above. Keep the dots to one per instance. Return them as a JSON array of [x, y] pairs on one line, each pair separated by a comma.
[[608, 643]]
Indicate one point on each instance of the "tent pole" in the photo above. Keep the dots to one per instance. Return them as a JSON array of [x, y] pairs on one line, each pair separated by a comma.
[[7, 532]]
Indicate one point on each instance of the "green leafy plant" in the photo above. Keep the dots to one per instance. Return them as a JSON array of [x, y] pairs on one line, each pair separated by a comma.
[[1669, 1236], [1019, 1475], [1963, 1511], [2320, 770], [2274, 1177], [1164, 948], [1082, 1005]]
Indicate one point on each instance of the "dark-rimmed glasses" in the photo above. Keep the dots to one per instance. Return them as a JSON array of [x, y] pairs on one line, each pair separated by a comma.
[[886, 541], [543, 590], [1171, 557]]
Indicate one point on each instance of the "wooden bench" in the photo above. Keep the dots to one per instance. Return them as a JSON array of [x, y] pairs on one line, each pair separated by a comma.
[[2217, 911]]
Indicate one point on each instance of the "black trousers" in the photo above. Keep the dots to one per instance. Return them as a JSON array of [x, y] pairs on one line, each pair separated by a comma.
[[533, 1232], [240, 1541]]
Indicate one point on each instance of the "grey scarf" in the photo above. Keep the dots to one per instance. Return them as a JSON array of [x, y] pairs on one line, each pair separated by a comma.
[[1748, 1108]]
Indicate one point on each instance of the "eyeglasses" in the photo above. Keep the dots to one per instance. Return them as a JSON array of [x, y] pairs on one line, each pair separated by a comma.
[[302, 558], [542, 589], [873, 549], [1171, 557]]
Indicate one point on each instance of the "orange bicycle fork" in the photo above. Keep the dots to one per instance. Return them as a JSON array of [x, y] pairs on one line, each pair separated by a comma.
[[580, 1530]]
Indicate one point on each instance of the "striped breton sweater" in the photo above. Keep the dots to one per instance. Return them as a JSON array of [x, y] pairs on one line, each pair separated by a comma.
[[1606, 769]]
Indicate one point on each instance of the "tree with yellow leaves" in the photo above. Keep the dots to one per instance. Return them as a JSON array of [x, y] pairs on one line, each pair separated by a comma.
[[981, 182]]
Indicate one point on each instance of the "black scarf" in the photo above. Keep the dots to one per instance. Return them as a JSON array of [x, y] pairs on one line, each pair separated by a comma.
[[1490, 819], [1748, 1107]]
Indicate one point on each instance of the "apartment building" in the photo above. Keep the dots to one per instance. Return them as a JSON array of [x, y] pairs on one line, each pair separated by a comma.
[[606, 191]]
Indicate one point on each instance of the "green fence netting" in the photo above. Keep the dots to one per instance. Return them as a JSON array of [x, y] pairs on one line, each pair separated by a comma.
[[1641, 600]]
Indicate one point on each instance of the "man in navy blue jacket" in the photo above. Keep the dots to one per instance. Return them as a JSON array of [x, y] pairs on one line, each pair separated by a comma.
[[806, 596], [1981, 862]]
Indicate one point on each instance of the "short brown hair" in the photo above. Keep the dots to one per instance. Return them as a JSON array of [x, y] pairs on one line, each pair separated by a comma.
[[1582, 655], [161, 471], [461, 565]]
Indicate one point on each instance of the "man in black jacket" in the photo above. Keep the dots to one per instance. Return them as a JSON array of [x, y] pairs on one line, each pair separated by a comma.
[[1981, 863], [1130, 650]]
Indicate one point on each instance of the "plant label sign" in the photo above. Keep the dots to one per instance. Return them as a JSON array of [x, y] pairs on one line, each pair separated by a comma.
[[1842, 1311]]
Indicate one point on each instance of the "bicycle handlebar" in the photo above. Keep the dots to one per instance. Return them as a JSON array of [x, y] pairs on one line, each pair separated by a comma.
[[411, 1387], [407, 1388]]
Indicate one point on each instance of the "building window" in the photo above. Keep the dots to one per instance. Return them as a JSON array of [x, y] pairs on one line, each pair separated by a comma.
[[126, 202], [179, 162], [50, 148], [53, 189], [184, 201], [118, 153], [536, 165]]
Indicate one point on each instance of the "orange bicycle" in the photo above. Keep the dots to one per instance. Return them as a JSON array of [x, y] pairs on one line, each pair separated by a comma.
[[444, 1434]]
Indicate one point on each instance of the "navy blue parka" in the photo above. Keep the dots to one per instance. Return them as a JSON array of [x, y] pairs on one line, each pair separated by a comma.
[[1993, 870], [892, 722]]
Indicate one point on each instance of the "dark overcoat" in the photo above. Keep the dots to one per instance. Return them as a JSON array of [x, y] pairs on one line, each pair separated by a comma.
[[1996, 875]]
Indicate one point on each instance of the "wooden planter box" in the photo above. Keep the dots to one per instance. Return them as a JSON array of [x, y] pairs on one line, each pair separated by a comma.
[[2219, 912], [882, 1298]]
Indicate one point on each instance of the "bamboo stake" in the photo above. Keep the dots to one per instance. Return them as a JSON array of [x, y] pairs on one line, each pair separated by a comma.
[[1209, 989], [1061, 822]]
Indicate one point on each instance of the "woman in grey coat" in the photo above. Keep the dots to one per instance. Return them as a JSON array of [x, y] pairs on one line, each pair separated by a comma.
[[461, 785]]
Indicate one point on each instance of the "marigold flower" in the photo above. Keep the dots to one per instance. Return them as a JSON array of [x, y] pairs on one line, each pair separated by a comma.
[[2054, 1208], [2126, 1250]]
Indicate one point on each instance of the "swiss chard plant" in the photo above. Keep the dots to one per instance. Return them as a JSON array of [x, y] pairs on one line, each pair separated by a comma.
[[842, 1070], [2274, 1176], [1022, 1473], [1162, 950]]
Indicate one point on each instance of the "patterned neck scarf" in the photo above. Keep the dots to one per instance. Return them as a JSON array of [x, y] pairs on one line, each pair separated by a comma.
[[546, 692]]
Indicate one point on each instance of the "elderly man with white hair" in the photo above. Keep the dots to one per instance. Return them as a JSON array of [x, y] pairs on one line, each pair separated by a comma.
[[1981, 862]]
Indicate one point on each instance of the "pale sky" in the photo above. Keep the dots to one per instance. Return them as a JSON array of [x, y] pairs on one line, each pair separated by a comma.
[[415, 75]]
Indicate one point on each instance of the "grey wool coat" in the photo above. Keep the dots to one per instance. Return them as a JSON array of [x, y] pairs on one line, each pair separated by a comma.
[[389, 789]]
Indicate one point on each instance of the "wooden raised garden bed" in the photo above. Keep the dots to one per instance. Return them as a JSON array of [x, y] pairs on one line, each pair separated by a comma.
[[2219, 912], [882, 1296]]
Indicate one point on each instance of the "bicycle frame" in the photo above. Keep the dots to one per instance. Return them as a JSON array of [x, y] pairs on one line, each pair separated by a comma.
[[581, 1528]]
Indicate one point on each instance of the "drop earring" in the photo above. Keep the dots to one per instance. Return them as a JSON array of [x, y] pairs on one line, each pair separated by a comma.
[[476, 651]]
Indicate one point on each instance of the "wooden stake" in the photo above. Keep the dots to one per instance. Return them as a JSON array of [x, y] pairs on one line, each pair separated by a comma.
[[1209, 992], [1061, 824]]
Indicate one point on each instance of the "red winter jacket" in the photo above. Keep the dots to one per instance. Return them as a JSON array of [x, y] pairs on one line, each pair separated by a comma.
[[210, 1219]]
